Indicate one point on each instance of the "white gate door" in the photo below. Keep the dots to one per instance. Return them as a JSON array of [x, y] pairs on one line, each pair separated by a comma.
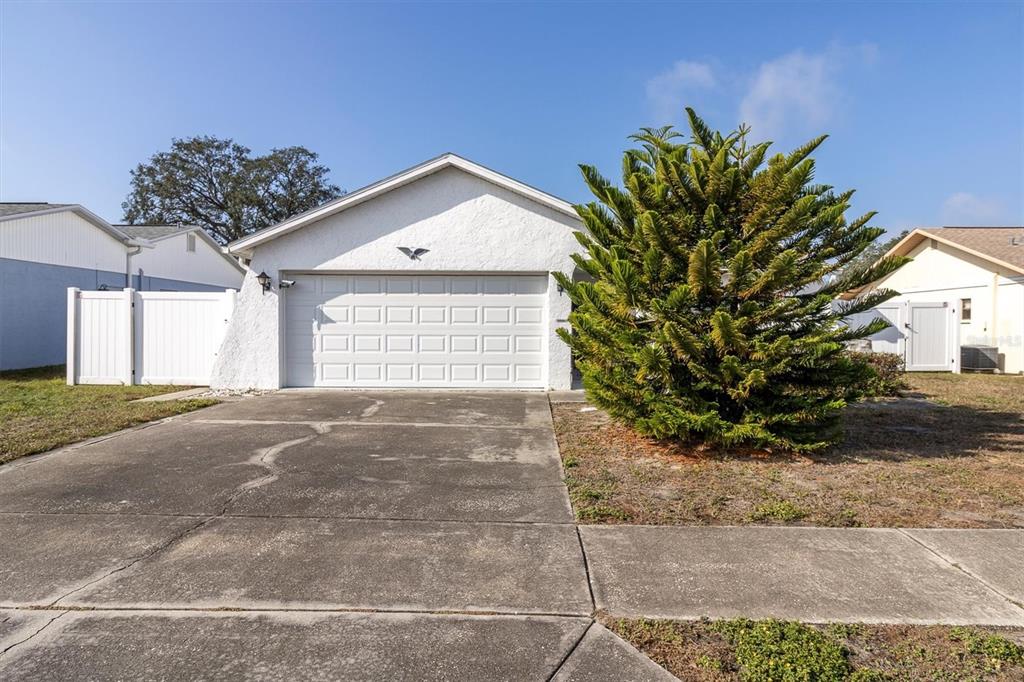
[[486, 331], [178, 334], [929, 333]]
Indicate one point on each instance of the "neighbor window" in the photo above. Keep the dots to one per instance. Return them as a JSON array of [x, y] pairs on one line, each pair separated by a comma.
[[190, 243], [965, 310]]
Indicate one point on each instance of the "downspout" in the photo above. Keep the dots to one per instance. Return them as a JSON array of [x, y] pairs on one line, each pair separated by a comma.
[[128, 266], [995, 309]]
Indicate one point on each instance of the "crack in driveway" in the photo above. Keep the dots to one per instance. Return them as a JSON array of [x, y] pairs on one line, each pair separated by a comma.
[[263, 457], [45, 625]]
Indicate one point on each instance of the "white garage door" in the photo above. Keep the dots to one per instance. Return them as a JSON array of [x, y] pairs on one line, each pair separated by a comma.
[[416, 330]]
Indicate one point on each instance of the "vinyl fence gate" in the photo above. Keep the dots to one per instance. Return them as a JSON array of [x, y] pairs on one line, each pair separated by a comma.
[[924, 333], [145, 337]]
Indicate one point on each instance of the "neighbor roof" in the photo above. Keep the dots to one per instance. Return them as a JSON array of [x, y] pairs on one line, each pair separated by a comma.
[[156, 233], [395, 181], [16, 210], [153, 232], [8, 208], [1003, 246]]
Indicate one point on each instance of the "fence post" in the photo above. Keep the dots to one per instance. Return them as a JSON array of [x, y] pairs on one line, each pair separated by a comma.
[[129, 335], [230, 297], [72, 340]]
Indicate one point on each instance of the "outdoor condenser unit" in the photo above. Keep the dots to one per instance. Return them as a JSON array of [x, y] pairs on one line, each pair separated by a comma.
[[979, 358]]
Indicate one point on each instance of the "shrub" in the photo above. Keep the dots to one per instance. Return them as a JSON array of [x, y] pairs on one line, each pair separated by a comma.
[[886, 377], [780, 651], [701, 312], [778, 510]]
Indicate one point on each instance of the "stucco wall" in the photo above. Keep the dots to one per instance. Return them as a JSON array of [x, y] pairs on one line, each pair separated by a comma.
[[469, 225], [940, 273], [33, 309]]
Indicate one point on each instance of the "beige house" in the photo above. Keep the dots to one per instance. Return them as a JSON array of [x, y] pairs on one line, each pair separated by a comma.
[[964, 289]]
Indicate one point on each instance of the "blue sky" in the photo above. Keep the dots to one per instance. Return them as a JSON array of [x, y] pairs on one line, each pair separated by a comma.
[[924, 101]]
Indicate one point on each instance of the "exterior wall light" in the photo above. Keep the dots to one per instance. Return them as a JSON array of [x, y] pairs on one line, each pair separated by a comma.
[[264, 280]]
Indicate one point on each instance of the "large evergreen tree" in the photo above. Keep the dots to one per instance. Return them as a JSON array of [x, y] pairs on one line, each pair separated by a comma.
[[222, 187], [703, 309]]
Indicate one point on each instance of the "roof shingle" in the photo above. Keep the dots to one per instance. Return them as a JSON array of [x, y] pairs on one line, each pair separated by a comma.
[[151, 231], [9, 208], [1005, 244]]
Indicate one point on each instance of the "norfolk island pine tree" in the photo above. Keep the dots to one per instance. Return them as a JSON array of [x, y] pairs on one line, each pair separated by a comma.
[[701, 313]]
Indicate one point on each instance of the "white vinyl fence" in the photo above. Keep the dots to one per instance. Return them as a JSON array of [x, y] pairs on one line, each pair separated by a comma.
[[145, 337], [924, 333]]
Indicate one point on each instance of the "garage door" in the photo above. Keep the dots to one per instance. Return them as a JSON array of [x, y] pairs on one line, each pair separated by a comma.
[[420, 331]]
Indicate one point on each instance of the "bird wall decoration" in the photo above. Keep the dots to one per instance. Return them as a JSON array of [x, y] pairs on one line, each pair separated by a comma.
[[413, 254]]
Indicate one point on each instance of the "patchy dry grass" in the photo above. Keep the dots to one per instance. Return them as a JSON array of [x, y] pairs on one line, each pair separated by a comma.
[[948, 454], [38, 411], [774, 650]]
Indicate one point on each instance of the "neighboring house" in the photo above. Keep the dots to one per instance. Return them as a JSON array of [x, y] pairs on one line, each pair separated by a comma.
[[181, 259], [963, 288], [47, 248], [439, 276]]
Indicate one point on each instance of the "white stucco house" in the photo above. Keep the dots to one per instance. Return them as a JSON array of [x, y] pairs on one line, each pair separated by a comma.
[[964, 289], [438, 276], [47, 248]]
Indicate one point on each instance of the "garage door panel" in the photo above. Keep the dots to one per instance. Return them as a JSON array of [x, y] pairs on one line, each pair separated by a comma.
[[407, 331], [433, 315], [329, 314], [335, 342]]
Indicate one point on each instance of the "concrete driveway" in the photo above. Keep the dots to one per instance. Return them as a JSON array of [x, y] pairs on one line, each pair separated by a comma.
[[305, 535]]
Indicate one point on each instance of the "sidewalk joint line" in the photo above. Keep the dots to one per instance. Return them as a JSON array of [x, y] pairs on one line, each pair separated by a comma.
[[289, 517], [79, 608], [979, 579], [571, 651], [586, 569]]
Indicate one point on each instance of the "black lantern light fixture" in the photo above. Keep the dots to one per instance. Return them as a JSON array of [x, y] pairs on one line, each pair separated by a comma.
[[264, 280]]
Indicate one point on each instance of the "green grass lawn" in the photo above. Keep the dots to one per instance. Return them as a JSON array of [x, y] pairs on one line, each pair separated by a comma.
[[39, 411]]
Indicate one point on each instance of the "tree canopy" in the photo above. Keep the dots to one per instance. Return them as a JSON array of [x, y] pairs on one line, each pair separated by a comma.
[[221, 186], [705, 307]]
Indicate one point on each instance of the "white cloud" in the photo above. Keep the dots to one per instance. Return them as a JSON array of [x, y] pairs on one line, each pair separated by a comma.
[[799, 92], [671, 90], [964, 208]]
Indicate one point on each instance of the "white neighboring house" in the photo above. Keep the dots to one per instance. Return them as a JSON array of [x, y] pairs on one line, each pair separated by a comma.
[[47, 248], [438, 276], [963, 288], [181, 259]]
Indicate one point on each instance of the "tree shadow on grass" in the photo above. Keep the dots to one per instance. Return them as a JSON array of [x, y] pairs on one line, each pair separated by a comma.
[[914, 428]]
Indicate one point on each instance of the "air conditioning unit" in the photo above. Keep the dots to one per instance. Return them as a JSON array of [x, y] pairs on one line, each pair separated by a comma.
[[979, 358]]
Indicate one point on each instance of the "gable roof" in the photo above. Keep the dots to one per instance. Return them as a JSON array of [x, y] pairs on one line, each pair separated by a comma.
[[154, 234], [16, 210], [1002, 246], [9, 208], [449, 160]]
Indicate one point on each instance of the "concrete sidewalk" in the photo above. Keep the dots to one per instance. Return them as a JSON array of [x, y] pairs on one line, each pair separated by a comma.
[[867, 575]]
